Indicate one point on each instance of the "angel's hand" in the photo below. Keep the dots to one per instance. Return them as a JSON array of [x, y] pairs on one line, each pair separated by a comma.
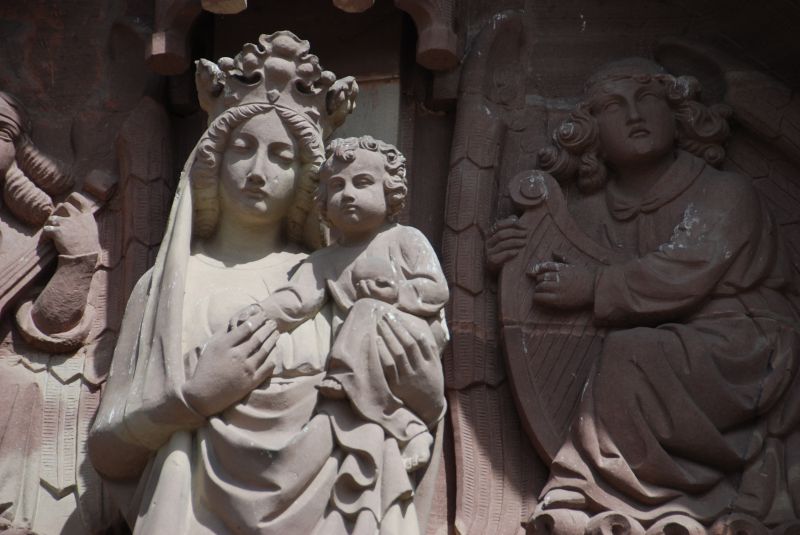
[[72, 227], [506, 238], [559, 284]]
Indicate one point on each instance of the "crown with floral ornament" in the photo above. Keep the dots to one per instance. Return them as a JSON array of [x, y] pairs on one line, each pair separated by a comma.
[[279, 70]]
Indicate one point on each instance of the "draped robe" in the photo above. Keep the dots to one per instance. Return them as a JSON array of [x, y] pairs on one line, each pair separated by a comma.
[[280, 460], [694, 403]]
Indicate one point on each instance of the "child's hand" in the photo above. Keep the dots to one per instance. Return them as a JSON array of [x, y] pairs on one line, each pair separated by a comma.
[[376, 278], [380, 288], [250, 313]]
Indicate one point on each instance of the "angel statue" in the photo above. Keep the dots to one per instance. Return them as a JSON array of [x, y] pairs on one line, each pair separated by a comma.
[[210, 425], [662, 310], [49, 341]]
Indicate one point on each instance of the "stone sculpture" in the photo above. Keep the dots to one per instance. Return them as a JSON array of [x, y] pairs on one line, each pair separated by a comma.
[[496, 469], [49, 390], [211, 425], [661, 288], [377, 271]]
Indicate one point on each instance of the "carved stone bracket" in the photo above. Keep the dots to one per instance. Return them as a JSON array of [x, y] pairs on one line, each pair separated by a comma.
[[167, 52], [437, 43], [354, 6], [224, 7]]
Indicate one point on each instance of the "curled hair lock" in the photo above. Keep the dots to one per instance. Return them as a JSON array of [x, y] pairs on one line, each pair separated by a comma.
[[32, 178], [575, 155]]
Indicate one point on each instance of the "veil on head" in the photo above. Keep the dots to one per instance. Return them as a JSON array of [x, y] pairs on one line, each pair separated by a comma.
[[311, 103]]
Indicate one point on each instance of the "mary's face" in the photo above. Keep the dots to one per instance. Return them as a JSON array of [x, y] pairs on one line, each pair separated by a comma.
[[259, 170], [636, 124]]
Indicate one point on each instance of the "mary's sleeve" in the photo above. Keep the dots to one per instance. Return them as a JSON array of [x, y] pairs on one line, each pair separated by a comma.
[[712, 243], [119, 445], [109, 432]]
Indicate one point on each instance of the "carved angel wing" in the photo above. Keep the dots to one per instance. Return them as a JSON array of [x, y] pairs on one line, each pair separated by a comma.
[[497, 472], [765, 140]]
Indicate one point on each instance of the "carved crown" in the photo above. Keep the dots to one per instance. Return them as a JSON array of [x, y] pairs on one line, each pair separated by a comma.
[[279, 70]]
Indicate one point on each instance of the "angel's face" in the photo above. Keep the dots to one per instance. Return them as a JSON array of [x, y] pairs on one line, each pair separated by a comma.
[[636, 125]]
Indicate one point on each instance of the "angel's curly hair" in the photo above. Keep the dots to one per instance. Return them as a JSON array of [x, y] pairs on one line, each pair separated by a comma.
[[576, 154], [204, 173], [33, 178], [395, 186]]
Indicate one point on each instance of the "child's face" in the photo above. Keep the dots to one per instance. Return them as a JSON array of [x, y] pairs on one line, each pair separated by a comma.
[[355, 201]]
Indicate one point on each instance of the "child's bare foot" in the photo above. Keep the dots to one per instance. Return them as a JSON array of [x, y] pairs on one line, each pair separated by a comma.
[[331, 388], [417, 452]]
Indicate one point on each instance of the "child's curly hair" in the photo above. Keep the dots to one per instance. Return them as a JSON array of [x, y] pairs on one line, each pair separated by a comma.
[[395, 186]]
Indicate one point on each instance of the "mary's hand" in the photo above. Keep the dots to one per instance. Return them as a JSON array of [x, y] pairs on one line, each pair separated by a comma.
[[413, 367], [231, 365]]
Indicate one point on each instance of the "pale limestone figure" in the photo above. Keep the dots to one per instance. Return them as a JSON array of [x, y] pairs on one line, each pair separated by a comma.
[[377, 272], [210, 428]]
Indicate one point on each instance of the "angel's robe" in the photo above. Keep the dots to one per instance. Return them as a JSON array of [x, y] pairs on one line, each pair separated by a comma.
[[51, 385], [694, 402]]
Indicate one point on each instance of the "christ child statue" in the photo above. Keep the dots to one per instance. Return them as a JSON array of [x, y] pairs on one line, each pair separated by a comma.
[[378, 273]]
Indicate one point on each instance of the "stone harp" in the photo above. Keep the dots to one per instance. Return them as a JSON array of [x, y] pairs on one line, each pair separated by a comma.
[[549, 352]]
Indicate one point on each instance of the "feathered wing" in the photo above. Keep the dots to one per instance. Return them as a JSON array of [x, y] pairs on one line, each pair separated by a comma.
[[131, 227], [498, 474], [765, 140], [767, 146]]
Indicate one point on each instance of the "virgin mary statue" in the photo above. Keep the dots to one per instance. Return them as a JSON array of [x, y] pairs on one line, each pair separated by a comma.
[[207, 428]]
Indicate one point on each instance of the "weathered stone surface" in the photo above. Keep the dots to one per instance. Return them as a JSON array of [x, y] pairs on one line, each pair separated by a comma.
[[657, 288], [118, 131]]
